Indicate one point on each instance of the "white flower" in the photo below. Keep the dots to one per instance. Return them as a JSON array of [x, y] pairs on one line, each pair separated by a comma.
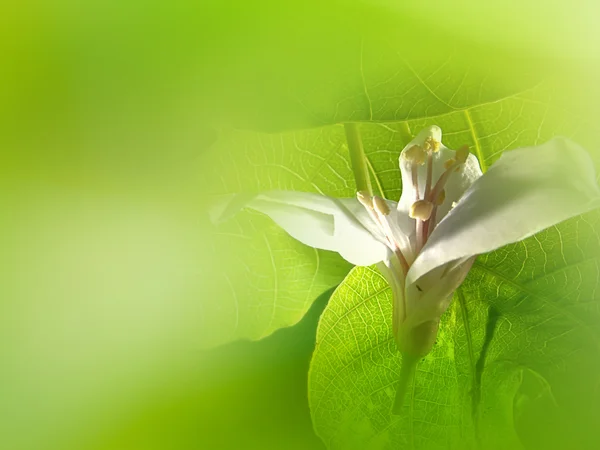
[[449, 212]]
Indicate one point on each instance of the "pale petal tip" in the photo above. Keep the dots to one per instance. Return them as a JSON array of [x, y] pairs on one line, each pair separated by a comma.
[[433, 131]]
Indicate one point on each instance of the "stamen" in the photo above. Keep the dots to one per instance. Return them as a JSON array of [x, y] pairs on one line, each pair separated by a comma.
[[431, 222], [441, 197], [421, 210], [383, 210], [462, 154], [415, 180], [379, 211], [365, 199], [461, 157], [449, 163], [429, 174], [402, 260], [415, 154], [431, 144], [381, 206], [420, 236]]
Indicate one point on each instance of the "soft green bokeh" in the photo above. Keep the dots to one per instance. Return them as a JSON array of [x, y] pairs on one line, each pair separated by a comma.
[[107, 116]]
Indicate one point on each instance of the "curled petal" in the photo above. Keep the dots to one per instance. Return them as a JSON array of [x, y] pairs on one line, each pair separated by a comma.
[[339, 225], [524, 192]]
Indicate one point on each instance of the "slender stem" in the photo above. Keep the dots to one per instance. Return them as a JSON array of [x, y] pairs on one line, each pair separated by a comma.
[[358, 158], [407, 377]]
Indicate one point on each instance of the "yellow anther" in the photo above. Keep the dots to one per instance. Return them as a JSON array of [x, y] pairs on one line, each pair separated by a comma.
[[441, 197], [415, 154], [431, 144], [365, 199], [462, 154], [421, 209], [381, 206], [449, 163]]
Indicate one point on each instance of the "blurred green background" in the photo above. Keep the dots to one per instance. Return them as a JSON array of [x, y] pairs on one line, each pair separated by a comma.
[[105, 110]]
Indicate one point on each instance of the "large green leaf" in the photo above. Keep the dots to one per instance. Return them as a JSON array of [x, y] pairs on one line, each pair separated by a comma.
[[140, 112], [265, 280], [107, 283], [517, 353]]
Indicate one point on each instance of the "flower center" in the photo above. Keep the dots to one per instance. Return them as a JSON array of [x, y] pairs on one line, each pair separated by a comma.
[[424, 208]]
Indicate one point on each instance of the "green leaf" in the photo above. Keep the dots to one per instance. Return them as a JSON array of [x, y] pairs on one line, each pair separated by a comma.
[[517, 355], [518, 350], [265, 280]]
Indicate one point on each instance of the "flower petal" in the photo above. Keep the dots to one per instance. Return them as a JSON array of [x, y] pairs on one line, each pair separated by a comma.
[[456, 185], [340, 225], [525, 191], [429, 297]]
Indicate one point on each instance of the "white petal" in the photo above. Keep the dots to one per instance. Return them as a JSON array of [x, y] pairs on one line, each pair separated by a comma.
[[457, 184], [429, 297], [525, 191], [426, 301], [340, 225]]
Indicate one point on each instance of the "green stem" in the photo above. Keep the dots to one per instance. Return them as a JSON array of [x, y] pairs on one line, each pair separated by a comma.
[[358, 158], [407, 377]]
